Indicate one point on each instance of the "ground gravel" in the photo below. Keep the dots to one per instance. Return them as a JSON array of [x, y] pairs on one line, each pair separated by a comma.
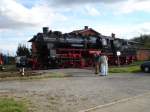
[[81, 91]]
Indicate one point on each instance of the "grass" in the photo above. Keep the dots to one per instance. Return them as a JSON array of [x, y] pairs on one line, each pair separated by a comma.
[[136, 63], [128, 69], [10, 105], [11, 68], [44, 76], [29, 75], [11, 73], [132, 68]]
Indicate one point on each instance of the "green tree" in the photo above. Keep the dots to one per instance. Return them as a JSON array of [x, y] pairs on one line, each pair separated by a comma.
[[22, 50], [144, 40]]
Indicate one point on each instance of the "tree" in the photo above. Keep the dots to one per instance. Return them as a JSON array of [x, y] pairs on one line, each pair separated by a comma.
[[144, 40], [22, 50]]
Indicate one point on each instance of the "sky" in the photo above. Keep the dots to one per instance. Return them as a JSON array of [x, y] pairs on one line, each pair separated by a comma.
[[21, 19]]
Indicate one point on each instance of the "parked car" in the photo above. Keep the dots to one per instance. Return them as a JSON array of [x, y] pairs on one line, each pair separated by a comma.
[[145, 66]]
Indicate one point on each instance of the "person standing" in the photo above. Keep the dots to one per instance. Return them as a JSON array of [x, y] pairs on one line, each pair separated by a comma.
[[97, 62], [104, 65]]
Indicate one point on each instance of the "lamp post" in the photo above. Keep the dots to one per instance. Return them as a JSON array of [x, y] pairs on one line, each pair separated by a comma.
[[118, 55]]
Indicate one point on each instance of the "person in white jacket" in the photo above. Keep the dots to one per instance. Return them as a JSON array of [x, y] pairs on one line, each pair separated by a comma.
[[104, 65]]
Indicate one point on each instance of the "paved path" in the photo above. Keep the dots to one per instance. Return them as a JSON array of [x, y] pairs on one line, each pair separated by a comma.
[[139, 103]]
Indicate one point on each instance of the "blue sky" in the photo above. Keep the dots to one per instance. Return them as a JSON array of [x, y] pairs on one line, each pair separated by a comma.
[[21, 19]]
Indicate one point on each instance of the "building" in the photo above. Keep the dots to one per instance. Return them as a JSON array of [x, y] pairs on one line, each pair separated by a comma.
[[143, 54], [86, 32]]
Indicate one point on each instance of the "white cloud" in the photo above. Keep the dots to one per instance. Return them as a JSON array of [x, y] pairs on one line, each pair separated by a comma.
[[92, 11], [14, 15], [79, 2], [11, 48], [126, 31], [143, 28], [5, 48], [132, 6]]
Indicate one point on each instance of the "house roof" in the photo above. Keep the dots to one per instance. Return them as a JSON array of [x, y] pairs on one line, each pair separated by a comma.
[[85, 30]]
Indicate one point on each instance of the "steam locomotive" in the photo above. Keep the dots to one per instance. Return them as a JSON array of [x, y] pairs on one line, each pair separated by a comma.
[[77, 50]]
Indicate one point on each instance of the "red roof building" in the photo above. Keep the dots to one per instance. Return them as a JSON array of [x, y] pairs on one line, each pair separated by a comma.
[[86, 32]]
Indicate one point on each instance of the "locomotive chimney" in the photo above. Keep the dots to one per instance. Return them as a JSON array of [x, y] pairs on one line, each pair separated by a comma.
[[113, 35], [86, 27], [45, 30]]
